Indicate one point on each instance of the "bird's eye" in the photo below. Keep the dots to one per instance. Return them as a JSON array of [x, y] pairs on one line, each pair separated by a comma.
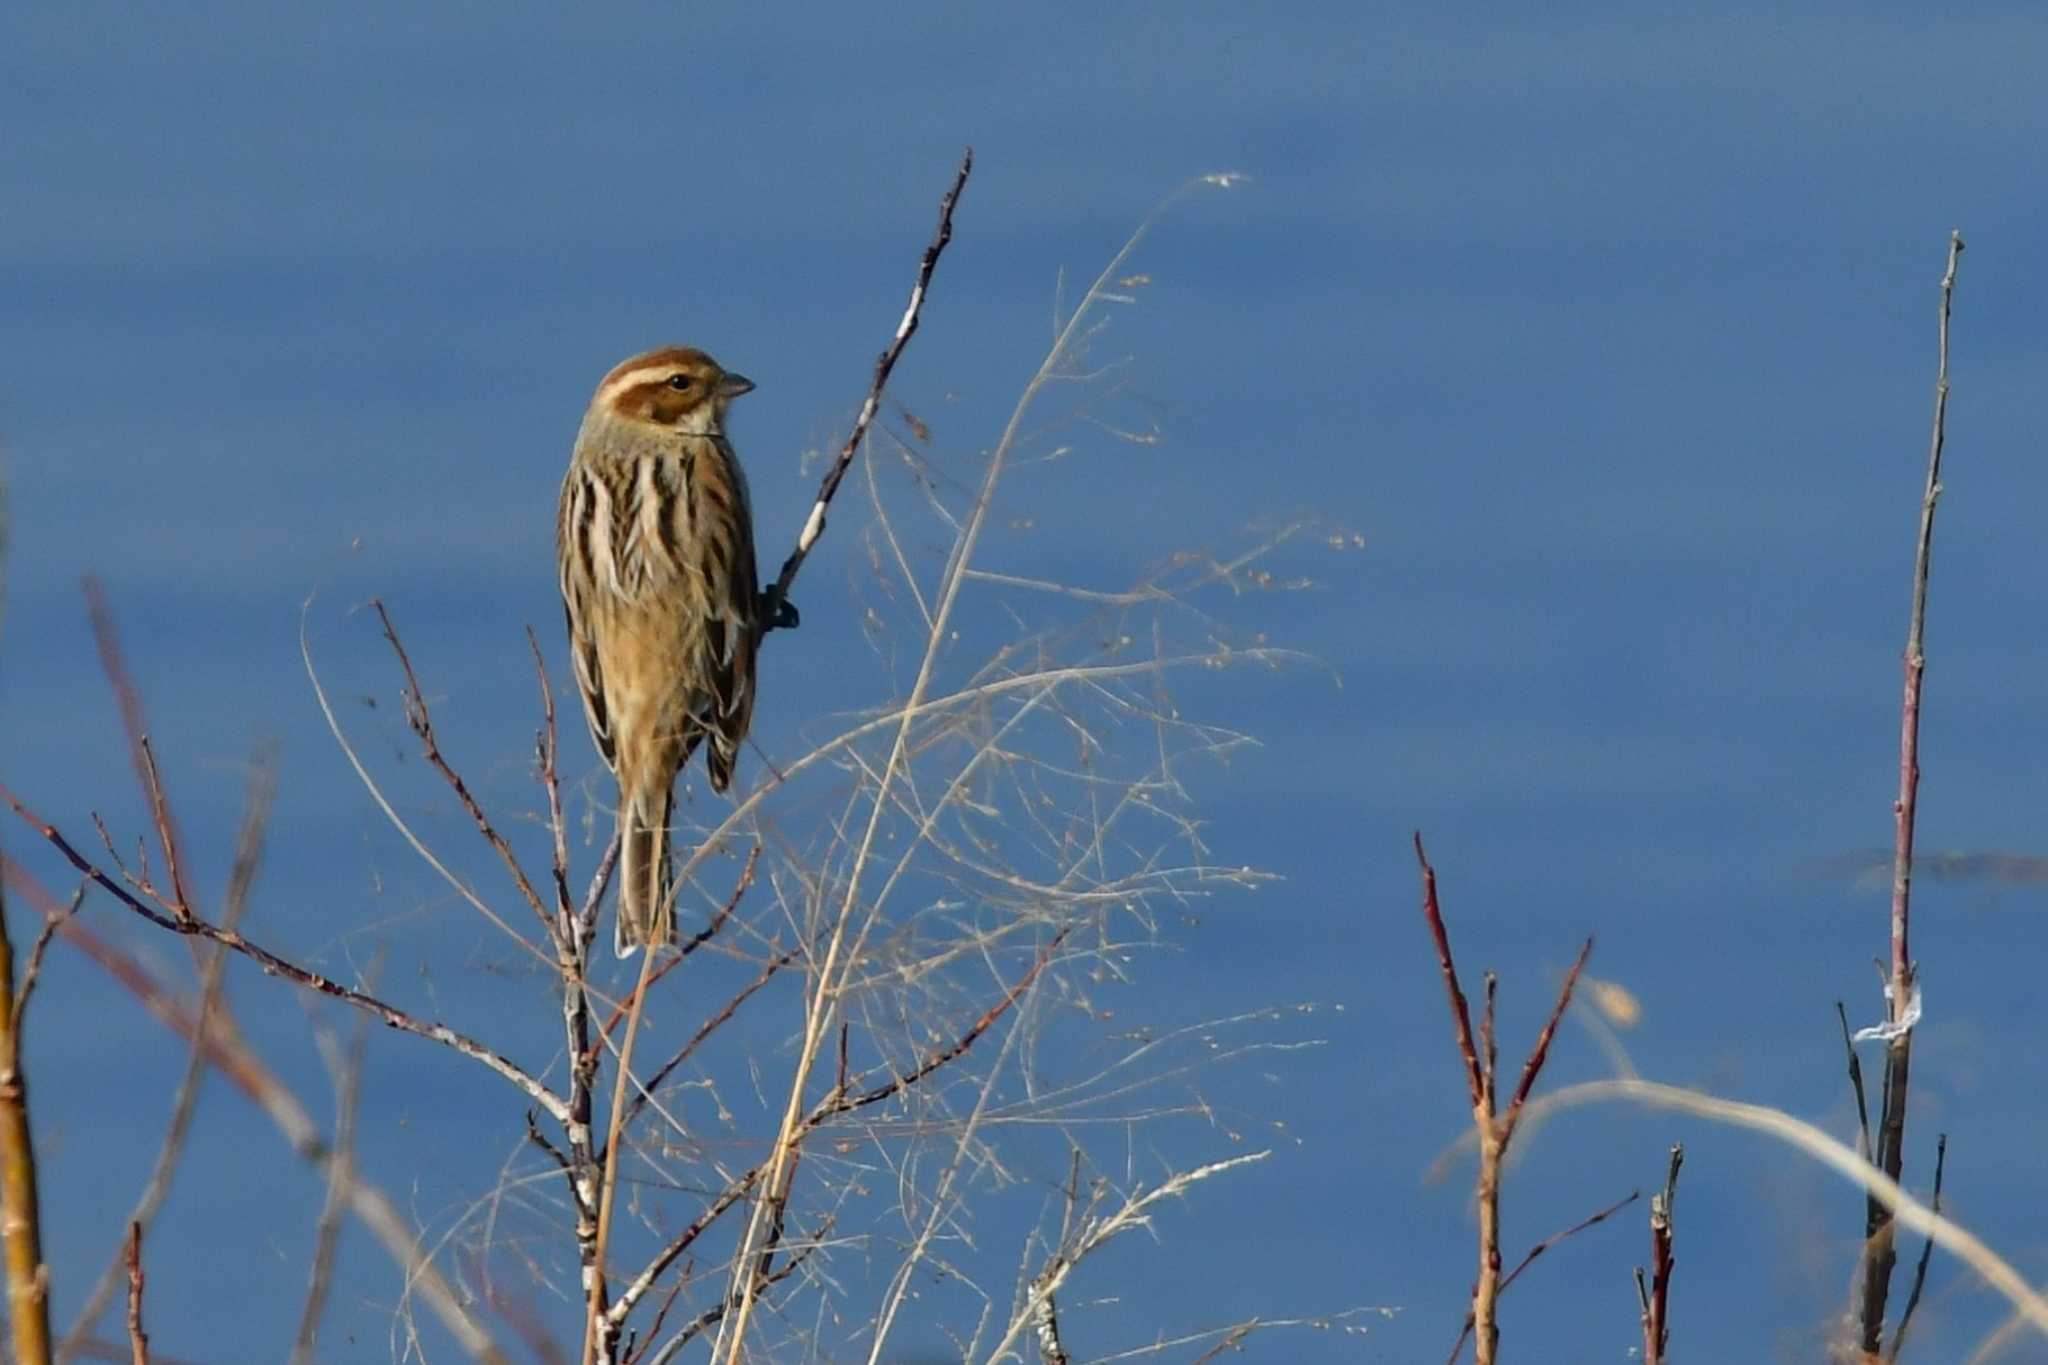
[[679, 382]]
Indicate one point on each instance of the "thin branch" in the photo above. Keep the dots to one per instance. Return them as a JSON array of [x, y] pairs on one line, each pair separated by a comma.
[[414, 699], [1541, 1052], [599, 1332], [160, 812], [697, 940], [229, 1053], [709, 1027], [1461, 1013], [1492, 1130], [1094, 1232], [545, 751], [839, 1101], [34, 969], [21, 1227], [249, 842], [1903, 987], [776, 598], [347, 1069], [1507, 1280], [1656, 1301], [138, 1340], [391, 1015], [1855, 1083], [1926, 1255], [135, 725]]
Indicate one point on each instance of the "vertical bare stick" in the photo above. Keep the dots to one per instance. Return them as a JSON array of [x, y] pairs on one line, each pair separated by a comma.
[[21, 1235], [598, 1332], [138, 1340], [1656, 1298], [1879, 1252]]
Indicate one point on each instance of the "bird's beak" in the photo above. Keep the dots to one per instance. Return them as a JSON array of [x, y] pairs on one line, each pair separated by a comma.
[[733, 385]]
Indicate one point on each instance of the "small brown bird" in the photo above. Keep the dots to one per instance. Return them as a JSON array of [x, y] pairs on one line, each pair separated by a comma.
[[655, 542]]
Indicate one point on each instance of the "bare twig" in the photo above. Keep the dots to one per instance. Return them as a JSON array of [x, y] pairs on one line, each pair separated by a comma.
[[1092, 1233], [241, 878], [230, 1054], [347, 1069], [34, 969], [705, 1030], [776, 598], [128, 699], [1855, 1082], [391, 1015], [1656, 1297], [421, 720], [691, 944], [21, 1226], [1461, 1014], [1494, 1130], [2030, 1305], [1508, 1280], [599, 1332], [138, 1340], [840, 1100], [1926, 1255], [1903, 987]]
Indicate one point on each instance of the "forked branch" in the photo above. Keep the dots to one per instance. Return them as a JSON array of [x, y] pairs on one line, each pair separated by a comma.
[[1494, 1130]]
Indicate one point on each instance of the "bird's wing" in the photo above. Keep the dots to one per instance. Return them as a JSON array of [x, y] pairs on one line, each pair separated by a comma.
[[573, 552], [730, 634]]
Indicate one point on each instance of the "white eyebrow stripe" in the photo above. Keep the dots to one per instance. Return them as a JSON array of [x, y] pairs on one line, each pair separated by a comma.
[[635, 377]]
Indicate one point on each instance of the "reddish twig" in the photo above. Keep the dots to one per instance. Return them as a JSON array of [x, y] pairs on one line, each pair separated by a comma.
[[228, 1053], [1461, 1014], [414, 700], [1654, 1296], [1508, 1280], [1494, 1129], [705, 1030], [135, 724], [691, 944], [138, 1340], [390, 1015], [1903, 987], [776, 598], [249, 842]]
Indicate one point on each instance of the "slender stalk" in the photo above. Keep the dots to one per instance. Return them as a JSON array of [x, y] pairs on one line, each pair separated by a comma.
[[1879, 1252], [599, 1332], [21, 1228], [138, 1340]]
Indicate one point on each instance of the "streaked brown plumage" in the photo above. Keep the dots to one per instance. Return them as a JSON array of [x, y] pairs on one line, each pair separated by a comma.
[[655, 541]]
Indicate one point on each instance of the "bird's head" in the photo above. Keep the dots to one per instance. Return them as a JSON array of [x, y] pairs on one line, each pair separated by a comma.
[[676, 387]]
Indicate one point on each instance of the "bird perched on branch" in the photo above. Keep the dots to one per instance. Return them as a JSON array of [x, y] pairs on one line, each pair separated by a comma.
[[655, 542]]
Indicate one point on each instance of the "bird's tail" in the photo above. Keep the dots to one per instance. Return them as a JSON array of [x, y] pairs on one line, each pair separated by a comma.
[[645, 914]]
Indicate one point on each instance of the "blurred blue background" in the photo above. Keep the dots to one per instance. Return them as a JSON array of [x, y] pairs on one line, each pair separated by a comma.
[[1611, 331]]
